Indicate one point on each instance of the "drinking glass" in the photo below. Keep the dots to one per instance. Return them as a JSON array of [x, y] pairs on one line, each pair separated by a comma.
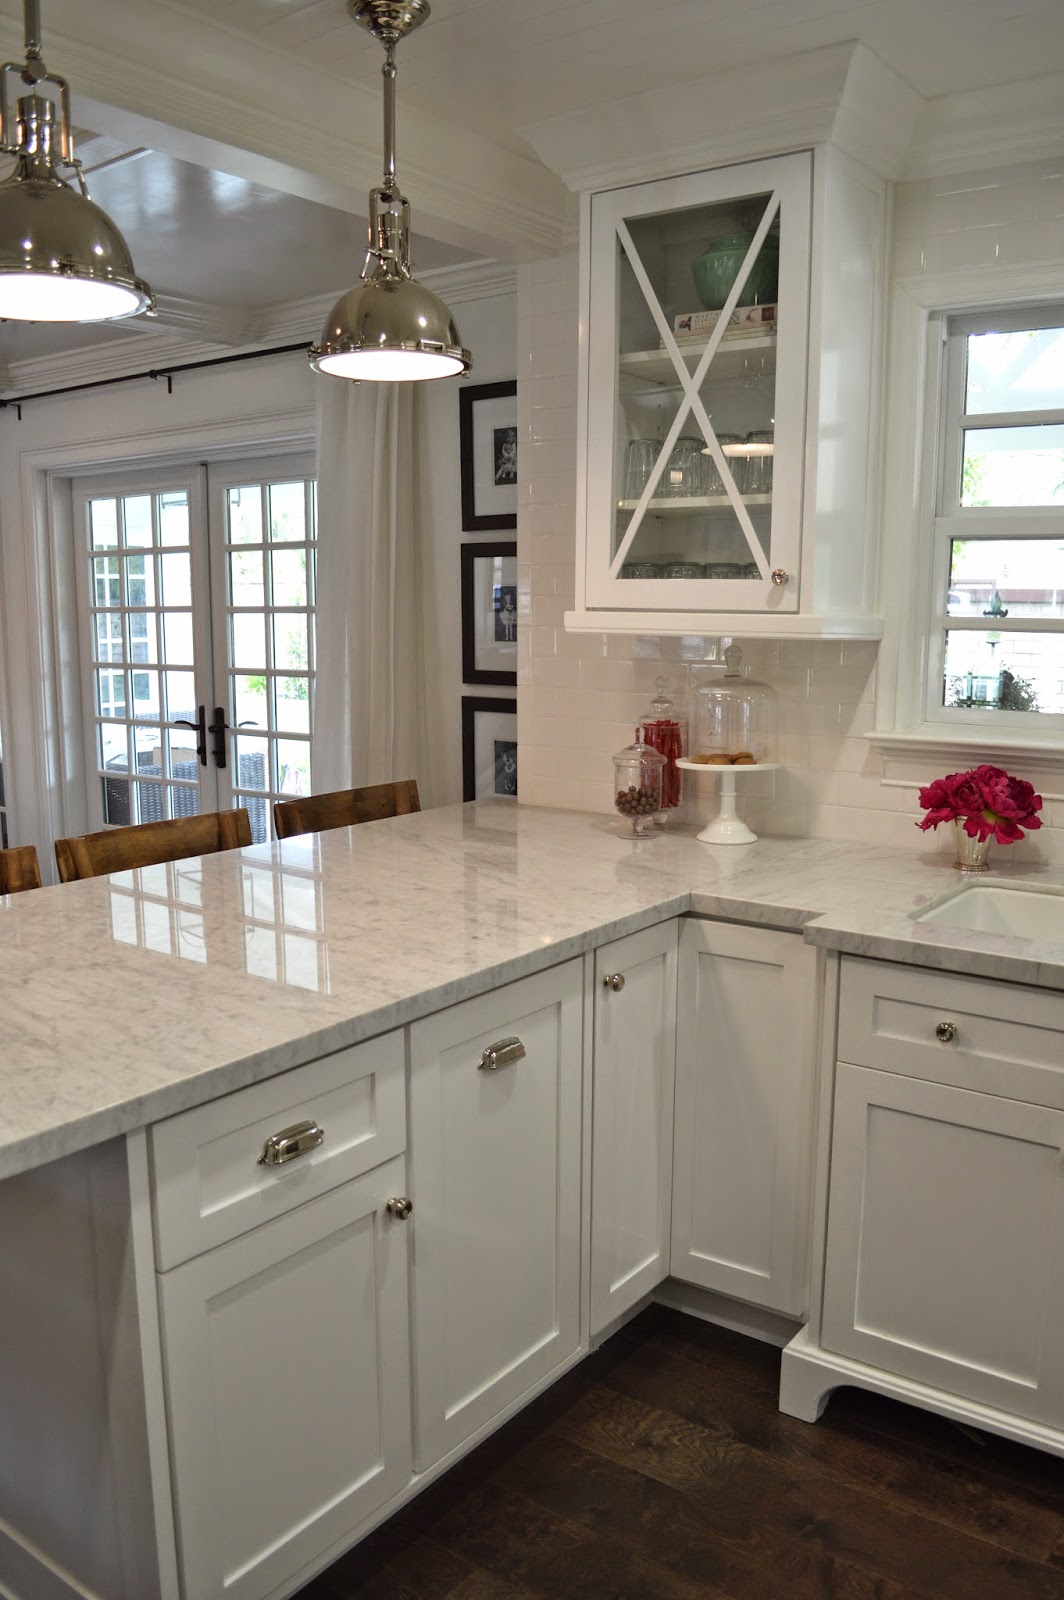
[[684, 475], [639, 459], [758, 464]]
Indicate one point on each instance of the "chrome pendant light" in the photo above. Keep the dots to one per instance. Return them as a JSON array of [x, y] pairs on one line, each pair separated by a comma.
[[61, 258], [390, 328]]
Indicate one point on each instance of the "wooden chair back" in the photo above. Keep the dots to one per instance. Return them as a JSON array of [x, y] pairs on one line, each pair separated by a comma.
[[19, 869], [145, 843], [342, 808]]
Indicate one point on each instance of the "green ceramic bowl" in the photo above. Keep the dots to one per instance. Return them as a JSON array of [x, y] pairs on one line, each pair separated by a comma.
[[716, 269]]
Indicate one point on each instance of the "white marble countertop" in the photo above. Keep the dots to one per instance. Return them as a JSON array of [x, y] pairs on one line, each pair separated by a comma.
[[129, 998]]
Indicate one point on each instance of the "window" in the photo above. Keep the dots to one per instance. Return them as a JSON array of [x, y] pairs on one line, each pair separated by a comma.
[[996, 645]]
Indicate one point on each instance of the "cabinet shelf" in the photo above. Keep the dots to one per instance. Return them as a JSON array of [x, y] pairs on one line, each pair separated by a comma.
[[731, 361], [674, 504]]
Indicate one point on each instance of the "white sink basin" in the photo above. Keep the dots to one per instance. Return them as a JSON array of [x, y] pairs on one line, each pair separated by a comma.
[[1022, 910]]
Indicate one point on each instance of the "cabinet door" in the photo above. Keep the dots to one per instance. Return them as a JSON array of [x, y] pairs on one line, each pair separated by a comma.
[[744, 1112], [495, 1173], [944, 1225], [287, 1363], [631, 1162], [697, 350]]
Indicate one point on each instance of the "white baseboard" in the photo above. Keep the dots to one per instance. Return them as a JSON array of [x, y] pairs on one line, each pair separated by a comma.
[[768, 1326]]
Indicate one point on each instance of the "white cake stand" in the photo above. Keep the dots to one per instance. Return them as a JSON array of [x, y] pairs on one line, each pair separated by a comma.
[[728, 827]]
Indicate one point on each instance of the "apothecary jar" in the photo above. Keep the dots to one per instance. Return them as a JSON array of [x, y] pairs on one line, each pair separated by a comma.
[[696, 368]]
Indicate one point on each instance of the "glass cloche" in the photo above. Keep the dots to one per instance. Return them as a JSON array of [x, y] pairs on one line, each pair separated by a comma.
[[637, 771], [736, 719]]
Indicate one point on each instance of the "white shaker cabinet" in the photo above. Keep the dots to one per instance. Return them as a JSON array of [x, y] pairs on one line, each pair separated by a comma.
[[495, 1141], [744, 1112], [287, 1357], [730, 329], [285, 1327], [943, 1278], [632, 1095], [945, 1218]]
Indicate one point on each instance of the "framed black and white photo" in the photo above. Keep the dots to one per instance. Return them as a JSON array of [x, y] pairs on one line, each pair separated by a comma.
[[487, 429], [489, 613], [489, 748]]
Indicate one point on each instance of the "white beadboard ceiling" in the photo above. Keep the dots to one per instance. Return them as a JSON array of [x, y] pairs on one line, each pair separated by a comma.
[[236, 138]]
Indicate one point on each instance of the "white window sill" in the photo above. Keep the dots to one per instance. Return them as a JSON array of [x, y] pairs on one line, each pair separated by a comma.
[[915, 756]]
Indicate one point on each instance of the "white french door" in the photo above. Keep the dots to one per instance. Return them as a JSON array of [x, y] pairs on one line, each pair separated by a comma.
[[196, 599]]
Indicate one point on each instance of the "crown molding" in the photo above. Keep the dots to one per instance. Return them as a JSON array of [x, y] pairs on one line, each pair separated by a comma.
[[221, 98], [1011, 123], [843, 94], [225, 325], [141, 345]]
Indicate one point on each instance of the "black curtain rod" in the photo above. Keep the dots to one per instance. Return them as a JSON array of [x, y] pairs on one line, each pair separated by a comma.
[[18, 401]]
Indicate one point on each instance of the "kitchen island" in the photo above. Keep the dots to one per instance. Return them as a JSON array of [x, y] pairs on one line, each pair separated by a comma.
[[133, 997], [189, 1330]]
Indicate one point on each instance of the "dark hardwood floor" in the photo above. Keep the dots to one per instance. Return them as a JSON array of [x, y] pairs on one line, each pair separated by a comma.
[[661, 1470]]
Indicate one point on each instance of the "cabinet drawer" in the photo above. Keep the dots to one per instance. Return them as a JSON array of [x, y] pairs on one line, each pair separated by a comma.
[[998, 1038], [210, 1183]]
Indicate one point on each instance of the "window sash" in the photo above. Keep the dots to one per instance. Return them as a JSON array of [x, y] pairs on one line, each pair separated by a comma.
[[953, 521]]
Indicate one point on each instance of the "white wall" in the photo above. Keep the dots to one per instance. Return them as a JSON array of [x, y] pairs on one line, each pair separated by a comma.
[[579, 696], [232, 410]]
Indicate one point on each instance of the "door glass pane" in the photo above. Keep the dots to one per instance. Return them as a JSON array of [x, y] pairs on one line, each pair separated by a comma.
[[177, 637], [246, 586], [290, 639], [136, 521], [1018, 371], [103, 524], [1013, 466], [244, 510], [694, 433], [289, 571], [247, 639], [1000, 578], [995, 671], [287, 520]]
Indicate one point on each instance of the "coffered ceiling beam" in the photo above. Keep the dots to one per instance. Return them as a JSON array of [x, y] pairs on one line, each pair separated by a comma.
[[205, 94]]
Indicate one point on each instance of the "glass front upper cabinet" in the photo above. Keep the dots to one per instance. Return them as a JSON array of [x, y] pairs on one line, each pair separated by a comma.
[[696, 397]]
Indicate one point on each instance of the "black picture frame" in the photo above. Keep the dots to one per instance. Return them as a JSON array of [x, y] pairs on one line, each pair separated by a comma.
[[489, 613], [487, 438], [489, 774]]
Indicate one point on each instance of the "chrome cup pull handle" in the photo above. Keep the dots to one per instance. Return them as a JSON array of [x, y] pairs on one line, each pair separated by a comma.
[[502, 1054], [291, 1142]]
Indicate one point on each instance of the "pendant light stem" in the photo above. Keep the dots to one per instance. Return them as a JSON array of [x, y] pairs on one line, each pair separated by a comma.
[[32, 20], [388, 74]]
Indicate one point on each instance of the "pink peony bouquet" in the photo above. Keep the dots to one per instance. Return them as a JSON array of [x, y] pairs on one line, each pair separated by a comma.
[[989, 803]]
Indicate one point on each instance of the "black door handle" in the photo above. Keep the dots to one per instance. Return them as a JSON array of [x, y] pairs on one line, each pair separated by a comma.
[[200, 729], [218, 730]]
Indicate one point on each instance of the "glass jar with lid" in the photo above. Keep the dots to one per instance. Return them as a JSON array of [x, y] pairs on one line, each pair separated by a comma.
[[637, 771], [736, 719], [665, 731]]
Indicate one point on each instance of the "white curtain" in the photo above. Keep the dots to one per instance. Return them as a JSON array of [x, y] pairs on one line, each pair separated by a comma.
[[375, 717]]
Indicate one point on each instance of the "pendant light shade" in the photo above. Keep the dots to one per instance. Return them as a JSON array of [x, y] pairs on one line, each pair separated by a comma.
[[61, 258], [389, 328]]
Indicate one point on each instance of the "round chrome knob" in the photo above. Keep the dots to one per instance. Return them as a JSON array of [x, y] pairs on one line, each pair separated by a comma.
[[946, 1032], [780, 577], [614, 981], [399, 1206]]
